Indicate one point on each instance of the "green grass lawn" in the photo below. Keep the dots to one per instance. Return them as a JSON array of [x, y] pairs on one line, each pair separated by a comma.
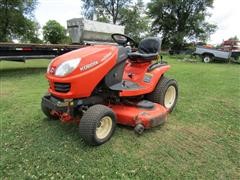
[[201, 138]]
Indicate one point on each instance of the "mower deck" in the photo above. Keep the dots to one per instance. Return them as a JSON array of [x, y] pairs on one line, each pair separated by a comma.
[[149, 117]]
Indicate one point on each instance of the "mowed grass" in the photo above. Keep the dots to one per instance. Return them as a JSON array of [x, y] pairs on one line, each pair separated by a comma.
[[200, 140]]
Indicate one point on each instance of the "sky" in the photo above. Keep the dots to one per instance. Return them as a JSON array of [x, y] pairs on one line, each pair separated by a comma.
[[225, 14]]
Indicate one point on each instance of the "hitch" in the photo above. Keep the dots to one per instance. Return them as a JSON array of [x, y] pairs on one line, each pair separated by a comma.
[[65, 117]]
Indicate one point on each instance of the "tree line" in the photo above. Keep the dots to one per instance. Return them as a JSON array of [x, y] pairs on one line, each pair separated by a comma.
[[175, 21], [17, 22]]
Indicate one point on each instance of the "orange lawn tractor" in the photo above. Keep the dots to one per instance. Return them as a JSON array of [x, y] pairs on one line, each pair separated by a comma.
[[99, 86]]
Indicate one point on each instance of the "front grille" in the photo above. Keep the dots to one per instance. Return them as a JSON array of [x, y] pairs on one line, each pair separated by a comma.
[[62, 87]]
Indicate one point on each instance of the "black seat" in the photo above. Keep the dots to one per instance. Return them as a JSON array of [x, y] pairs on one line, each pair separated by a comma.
[[148, 50]]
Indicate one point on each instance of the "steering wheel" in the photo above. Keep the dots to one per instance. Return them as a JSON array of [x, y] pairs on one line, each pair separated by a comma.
[[123, 40]]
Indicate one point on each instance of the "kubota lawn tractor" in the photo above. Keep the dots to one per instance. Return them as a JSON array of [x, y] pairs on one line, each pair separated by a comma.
[[100, 85]]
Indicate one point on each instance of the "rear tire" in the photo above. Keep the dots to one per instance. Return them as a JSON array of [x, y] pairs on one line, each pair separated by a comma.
[[97, 125], [165, 93], [236, 59], [47, 112]]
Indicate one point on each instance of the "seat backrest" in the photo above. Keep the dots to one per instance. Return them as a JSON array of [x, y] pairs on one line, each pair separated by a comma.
[[149, 45]]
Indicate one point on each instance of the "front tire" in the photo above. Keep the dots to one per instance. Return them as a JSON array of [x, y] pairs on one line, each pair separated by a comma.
[[97, 125], [165, 93]]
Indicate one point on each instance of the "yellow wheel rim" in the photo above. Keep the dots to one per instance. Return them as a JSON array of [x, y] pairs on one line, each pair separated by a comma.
[[170, 97], [105, 126]]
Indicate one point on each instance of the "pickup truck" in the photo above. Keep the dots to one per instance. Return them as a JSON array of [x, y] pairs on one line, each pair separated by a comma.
[[210, 54]]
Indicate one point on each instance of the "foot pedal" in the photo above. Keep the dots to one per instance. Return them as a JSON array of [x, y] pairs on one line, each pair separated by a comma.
[[145, 104], [125, 85]]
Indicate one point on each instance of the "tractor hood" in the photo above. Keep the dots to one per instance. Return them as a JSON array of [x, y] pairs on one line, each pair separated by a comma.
[[82, 60], [78, 72]]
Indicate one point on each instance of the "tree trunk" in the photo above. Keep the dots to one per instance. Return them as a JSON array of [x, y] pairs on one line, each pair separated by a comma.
[[5, 22]]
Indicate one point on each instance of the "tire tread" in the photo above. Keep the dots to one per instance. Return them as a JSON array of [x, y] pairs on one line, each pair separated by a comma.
[[89, 120], [157, 96]]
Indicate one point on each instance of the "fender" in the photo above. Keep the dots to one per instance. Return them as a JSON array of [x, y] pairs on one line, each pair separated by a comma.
[[147, 80]]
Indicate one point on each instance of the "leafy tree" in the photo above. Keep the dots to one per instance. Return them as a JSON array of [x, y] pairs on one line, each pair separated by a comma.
[[88, 8], [180, 20], [235, 38], [32, 34], [54, 32], [136, 23], [105, 10], [15, 17]]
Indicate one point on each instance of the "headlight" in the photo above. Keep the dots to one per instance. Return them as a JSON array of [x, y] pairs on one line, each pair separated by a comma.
[[67, 67], [49, 65]]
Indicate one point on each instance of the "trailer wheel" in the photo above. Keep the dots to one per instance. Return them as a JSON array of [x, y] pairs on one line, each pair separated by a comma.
[[165, 93], [97, 125], [235, 59], [207, 58], [47, 112]]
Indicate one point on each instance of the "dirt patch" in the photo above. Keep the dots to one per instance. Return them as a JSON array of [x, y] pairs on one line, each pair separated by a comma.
[[2, 94]]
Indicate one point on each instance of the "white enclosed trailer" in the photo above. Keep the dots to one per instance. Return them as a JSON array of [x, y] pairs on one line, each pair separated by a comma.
[[82, 30]]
